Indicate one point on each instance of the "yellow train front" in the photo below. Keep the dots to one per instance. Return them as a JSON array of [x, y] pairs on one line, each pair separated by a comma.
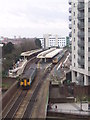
[[25, 82], [27, 78]]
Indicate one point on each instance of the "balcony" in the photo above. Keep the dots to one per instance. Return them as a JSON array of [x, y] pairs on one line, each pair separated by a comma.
[[79, 80], [70, 10], [70, 26], [81, 16], [81, 61], [70, 2], [80, 43], [81, 52], [81, 6], [70, 18], [81, 1], [81, 34], [81, 25]]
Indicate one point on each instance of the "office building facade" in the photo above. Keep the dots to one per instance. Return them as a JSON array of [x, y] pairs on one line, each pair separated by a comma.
[[53, 40]]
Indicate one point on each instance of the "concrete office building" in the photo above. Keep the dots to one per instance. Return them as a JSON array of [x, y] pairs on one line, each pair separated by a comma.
[[80, 32], [49, 40]]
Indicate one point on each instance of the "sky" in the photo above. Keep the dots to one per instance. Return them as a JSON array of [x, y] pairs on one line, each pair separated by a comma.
[[33, 18]]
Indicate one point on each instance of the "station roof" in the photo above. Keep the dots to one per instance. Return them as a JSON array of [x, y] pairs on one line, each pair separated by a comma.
[[28, 53], [49, 53], [43, 54]]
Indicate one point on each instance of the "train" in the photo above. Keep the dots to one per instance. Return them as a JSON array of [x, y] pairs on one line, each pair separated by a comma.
[[26, 79], [58, 57]]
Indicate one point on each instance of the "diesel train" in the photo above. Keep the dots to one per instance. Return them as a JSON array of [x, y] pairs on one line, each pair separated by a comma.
[[58, 57], [26, 79]]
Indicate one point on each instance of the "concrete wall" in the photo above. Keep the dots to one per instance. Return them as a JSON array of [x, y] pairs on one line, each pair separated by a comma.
[[8, 95], [66, 116]]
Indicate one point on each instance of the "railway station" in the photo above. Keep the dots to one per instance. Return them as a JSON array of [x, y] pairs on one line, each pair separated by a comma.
[[35, 91], [49, 54]]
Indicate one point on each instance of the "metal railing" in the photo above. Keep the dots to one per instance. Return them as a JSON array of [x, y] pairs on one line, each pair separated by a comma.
[[81, 52], [80, 34], [80, 15], [80, 43], [81, 6], [81, 25], [80, 61]]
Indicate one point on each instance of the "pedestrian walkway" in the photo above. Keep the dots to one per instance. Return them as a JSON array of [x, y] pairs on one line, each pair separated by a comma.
[[71, 108]]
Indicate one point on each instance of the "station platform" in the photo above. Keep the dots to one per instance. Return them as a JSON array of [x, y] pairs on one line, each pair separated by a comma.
[[17, 68], [73, 108]]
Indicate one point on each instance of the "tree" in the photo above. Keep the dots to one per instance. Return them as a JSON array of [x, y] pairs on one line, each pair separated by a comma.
[[38, 42], [8, 48]]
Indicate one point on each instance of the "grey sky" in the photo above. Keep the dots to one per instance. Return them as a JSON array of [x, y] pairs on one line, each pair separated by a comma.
[[33, 18]]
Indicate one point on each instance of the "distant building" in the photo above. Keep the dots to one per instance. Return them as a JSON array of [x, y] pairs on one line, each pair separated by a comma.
[[67, 41], [50, 41]]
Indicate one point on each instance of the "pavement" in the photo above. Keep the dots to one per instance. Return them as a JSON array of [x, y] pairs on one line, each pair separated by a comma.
[[71, 108]]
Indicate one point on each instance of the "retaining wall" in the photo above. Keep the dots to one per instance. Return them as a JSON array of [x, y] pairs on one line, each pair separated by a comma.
[[66, 116], [8, 95]]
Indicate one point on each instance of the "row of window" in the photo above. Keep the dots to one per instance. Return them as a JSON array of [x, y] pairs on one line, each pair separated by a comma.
[[88, 67]]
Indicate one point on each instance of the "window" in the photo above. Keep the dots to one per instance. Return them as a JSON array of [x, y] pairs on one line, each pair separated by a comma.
[[88, 68], [74, 64], [89, 39], [88, 58], [88, 29], [74, 47], [74, 30], [88, 9], [74, 13], [74, 22], [74, 4], [75, 74], [88, 49], [89, 79], [74, 39], [74, 56], [88, 19]]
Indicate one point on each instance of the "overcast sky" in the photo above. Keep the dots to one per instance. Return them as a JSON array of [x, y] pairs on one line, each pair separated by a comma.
[[33, 18]]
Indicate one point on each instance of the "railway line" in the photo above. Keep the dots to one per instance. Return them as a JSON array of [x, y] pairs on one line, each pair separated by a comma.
[[28, 112], [15, 105]]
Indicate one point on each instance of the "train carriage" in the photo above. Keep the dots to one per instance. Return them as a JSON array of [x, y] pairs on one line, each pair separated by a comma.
[[27, 78], [58, 57]]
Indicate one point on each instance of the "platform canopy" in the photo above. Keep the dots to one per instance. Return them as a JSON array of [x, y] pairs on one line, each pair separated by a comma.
[[28, 53], [49, 53]]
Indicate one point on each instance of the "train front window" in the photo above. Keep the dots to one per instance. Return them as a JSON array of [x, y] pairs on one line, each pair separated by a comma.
[[27, 80], [55, 59], [22, 80]]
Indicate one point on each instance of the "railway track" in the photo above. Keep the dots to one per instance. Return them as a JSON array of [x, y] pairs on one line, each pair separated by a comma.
[[28, 112], [16, 104]]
